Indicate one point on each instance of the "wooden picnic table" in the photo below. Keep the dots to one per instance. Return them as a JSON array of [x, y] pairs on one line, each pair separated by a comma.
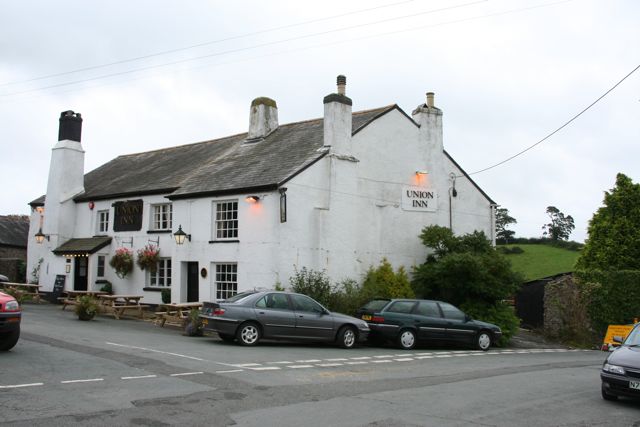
[[176, 312], [72, 296], [30, 289], [117, 304]]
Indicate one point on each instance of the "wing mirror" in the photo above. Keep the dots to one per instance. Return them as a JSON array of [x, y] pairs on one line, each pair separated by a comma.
[[618, 339]]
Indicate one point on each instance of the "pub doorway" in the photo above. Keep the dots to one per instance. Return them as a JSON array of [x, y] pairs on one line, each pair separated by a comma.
[[80, 270], [192, 282]]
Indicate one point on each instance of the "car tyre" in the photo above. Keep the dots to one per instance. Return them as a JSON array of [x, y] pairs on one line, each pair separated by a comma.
[[347, 337], [248, 334], [9, 339], [483, 341], [607, 396], [407, 339], [227, 337]]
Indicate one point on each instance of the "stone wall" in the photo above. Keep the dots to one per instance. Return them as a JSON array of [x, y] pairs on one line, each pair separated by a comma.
[[10, 267], [565, 311], [13, 252]]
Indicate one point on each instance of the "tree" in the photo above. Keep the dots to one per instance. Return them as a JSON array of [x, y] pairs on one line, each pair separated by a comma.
[[560, 227], [614, 230], [503, 220], [468, 272]]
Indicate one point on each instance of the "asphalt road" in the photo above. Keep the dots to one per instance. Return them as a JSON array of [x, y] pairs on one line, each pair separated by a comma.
[[128, 372]]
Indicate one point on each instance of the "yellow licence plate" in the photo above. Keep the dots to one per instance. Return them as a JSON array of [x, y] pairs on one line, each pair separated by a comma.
[[205, 322], [366, 317]]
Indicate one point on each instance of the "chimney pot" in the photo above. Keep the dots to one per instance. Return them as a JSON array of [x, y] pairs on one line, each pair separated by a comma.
[[70, 126], [263, 118], [342, 83], [430, 99]]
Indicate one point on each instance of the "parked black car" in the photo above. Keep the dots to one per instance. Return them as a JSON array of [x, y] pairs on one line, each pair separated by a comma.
[[248, 317], [620, 373], [409, 321]]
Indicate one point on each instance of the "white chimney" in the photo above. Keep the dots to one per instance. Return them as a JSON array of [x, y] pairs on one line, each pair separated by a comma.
[[263, 118], [337, 120], [429, 117]]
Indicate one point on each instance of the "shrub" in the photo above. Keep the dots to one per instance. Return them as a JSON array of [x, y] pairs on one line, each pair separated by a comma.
[[165, 294], [500, 314], [383, 282], [193, 324], [312, 283], [106, 287], [510, 250], [122, 262], [86, 307], [347, 297]]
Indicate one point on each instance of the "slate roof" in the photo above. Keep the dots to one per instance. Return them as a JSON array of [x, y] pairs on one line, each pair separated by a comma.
[[82, 246], [14, 230]]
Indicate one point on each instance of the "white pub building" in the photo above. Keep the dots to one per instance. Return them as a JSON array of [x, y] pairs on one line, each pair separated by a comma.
[[335, 194]]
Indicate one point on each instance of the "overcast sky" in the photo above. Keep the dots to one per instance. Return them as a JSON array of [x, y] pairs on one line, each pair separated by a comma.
[[505, 73]]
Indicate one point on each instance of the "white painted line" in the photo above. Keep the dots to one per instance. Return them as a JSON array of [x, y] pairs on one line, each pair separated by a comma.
[[384, 356], [247, 365], [328, 365], [382, 361], [462, 354], [424, 357], [309, 361], [266, 368], [444, 355], [361, 358], [405, 359], [281, 362], [356, 363], [138, 377], [402, 355], [424, 354], [339, 359], [82, 381], [21, 385], [184, 374], [230, 371], [161, 352], [300, 366]]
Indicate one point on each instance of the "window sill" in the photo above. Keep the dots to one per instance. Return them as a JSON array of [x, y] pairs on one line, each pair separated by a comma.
[[158, 231], [149, 289], [225, 241]]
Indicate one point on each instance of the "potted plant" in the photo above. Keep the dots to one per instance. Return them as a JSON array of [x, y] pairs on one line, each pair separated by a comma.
[[122, 262], [86, 307], [193, 324], [166, 296], [148, 258]]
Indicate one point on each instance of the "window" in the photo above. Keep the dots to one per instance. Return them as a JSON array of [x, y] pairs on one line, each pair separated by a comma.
[[103, 221], [401, 307], [428, 308], [275, 301], [162, 277], [226, 220], [450, 312], [162, 216], [226, 281], [101, 260], [302, 303]]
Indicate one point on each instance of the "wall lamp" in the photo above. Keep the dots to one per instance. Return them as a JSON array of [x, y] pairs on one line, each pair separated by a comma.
[[422, 172], [252, 199], [40, 236], [180, 235]]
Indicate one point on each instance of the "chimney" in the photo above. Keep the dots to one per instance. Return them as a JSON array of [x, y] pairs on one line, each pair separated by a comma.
[[429, 117], [70, 126], [430, 96], [263, 118], [337, 120]]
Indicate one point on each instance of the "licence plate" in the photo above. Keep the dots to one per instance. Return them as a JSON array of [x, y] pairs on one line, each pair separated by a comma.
[[366, 317], [634, 384], [205, 321]]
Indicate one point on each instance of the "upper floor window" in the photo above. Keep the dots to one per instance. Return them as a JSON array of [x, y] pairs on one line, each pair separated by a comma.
[[162, 217], [103, 221], [226, 220]]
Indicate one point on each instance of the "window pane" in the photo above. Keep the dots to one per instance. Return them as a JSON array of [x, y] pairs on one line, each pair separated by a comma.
[[451, 312], [401, 307], [428, 308], [101, 259], [226, 281], [302, 303]]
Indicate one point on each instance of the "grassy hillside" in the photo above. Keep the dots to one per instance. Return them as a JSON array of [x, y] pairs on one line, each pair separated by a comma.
[[539, 261]]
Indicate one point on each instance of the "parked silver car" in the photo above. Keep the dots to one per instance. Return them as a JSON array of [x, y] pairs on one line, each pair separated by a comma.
[[251, 316]]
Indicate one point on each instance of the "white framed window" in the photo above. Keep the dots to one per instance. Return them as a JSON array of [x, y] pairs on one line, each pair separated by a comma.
[[226, 280], [226, 220], [162, 276], [162, 217], [103, 221], [101, 263]]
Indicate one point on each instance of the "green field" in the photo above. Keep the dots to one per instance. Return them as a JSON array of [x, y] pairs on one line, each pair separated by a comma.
[[540, 261]]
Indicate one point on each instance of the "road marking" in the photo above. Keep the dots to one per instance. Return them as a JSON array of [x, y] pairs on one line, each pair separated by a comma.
[[356, 363], [82, 381], [21, 385], [282, 362], [424, 354], [339, 359], [184, 374], [328, 365], [229, 371], [138, 377], [266, 368], [424, 357], [462, 354], [300, 366], [384, 356], [361, 358], [309, 361], [158, 351], [444, 355], [382, 361], [247, 365], [404, 359]]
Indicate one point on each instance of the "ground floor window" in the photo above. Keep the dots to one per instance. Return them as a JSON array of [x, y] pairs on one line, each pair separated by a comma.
[[226, 280], [162, 276], [101, 262]]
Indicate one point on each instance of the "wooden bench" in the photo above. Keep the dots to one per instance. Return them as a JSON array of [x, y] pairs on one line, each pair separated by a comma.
[[175, 313]]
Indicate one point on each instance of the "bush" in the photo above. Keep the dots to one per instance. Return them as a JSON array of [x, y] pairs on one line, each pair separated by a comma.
[[86, 307], [500, 314], [165, 294], [106, 287], [347, 297], [569, 245], [193, 324], [312, 283], [383, 282], [510, 250]]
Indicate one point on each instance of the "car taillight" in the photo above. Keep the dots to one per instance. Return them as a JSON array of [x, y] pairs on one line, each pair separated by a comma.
[[377, 319], [218, 311]]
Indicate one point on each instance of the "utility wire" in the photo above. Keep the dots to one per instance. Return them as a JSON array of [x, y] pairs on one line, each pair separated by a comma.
[[281, 41], [181, 49], [561, 127]]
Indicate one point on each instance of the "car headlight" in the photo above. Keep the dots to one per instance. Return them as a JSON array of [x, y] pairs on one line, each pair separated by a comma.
[[614, 369], [12, 306]]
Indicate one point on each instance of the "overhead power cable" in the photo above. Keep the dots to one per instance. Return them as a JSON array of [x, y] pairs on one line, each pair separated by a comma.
[[561, 127]]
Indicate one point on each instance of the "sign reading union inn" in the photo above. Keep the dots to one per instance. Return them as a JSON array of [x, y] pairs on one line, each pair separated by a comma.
[[128, 215], [419, 199]]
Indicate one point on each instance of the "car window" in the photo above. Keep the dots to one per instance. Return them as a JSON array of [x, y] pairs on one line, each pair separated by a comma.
[[428, 308], [277, 301], [451, 312], [303, 303], [401, 307], [240, 296], [376, 304]]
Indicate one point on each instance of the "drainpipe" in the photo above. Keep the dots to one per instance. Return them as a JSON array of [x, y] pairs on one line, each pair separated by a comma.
[[452, 193]]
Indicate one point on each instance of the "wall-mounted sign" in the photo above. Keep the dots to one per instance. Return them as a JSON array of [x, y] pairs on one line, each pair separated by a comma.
[[419, 199], [128, 215]]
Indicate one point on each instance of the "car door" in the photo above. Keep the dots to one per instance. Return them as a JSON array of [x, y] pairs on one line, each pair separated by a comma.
[[398, 315], [429, 321], [459, 329], [312, 320], [276, 315]]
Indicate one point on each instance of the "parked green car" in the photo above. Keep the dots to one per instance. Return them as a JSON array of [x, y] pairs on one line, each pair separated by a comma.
[[409, 321]]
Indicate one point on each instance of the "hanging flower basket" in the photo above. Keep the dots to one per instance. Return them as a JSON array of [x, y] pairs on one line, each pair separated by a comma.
[[122, 262], [148, 258]]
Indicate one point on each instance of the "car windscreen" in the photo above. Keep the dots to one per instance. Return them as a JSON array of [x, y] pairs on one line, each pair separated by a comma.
[[634, 338], [375, 305]]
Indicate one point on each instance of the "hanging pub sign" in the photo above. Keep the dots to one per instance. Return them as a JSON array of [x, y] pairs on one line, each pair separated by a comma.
[[419, 199], [127, 215]]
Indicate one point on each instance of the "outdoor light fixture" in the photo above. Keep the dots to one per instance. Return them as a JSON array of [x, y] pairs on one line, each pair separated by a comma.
[[252, 199], [40, 236], [181, 235], [422, 172]]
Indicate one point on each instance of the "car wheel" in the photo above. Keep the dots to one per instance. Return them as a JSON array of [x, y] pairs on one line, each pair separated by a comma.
[[226, 337], [607, 396], [248, 334], [347, 337], [9, 340], [483, 341], [407, 339]]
